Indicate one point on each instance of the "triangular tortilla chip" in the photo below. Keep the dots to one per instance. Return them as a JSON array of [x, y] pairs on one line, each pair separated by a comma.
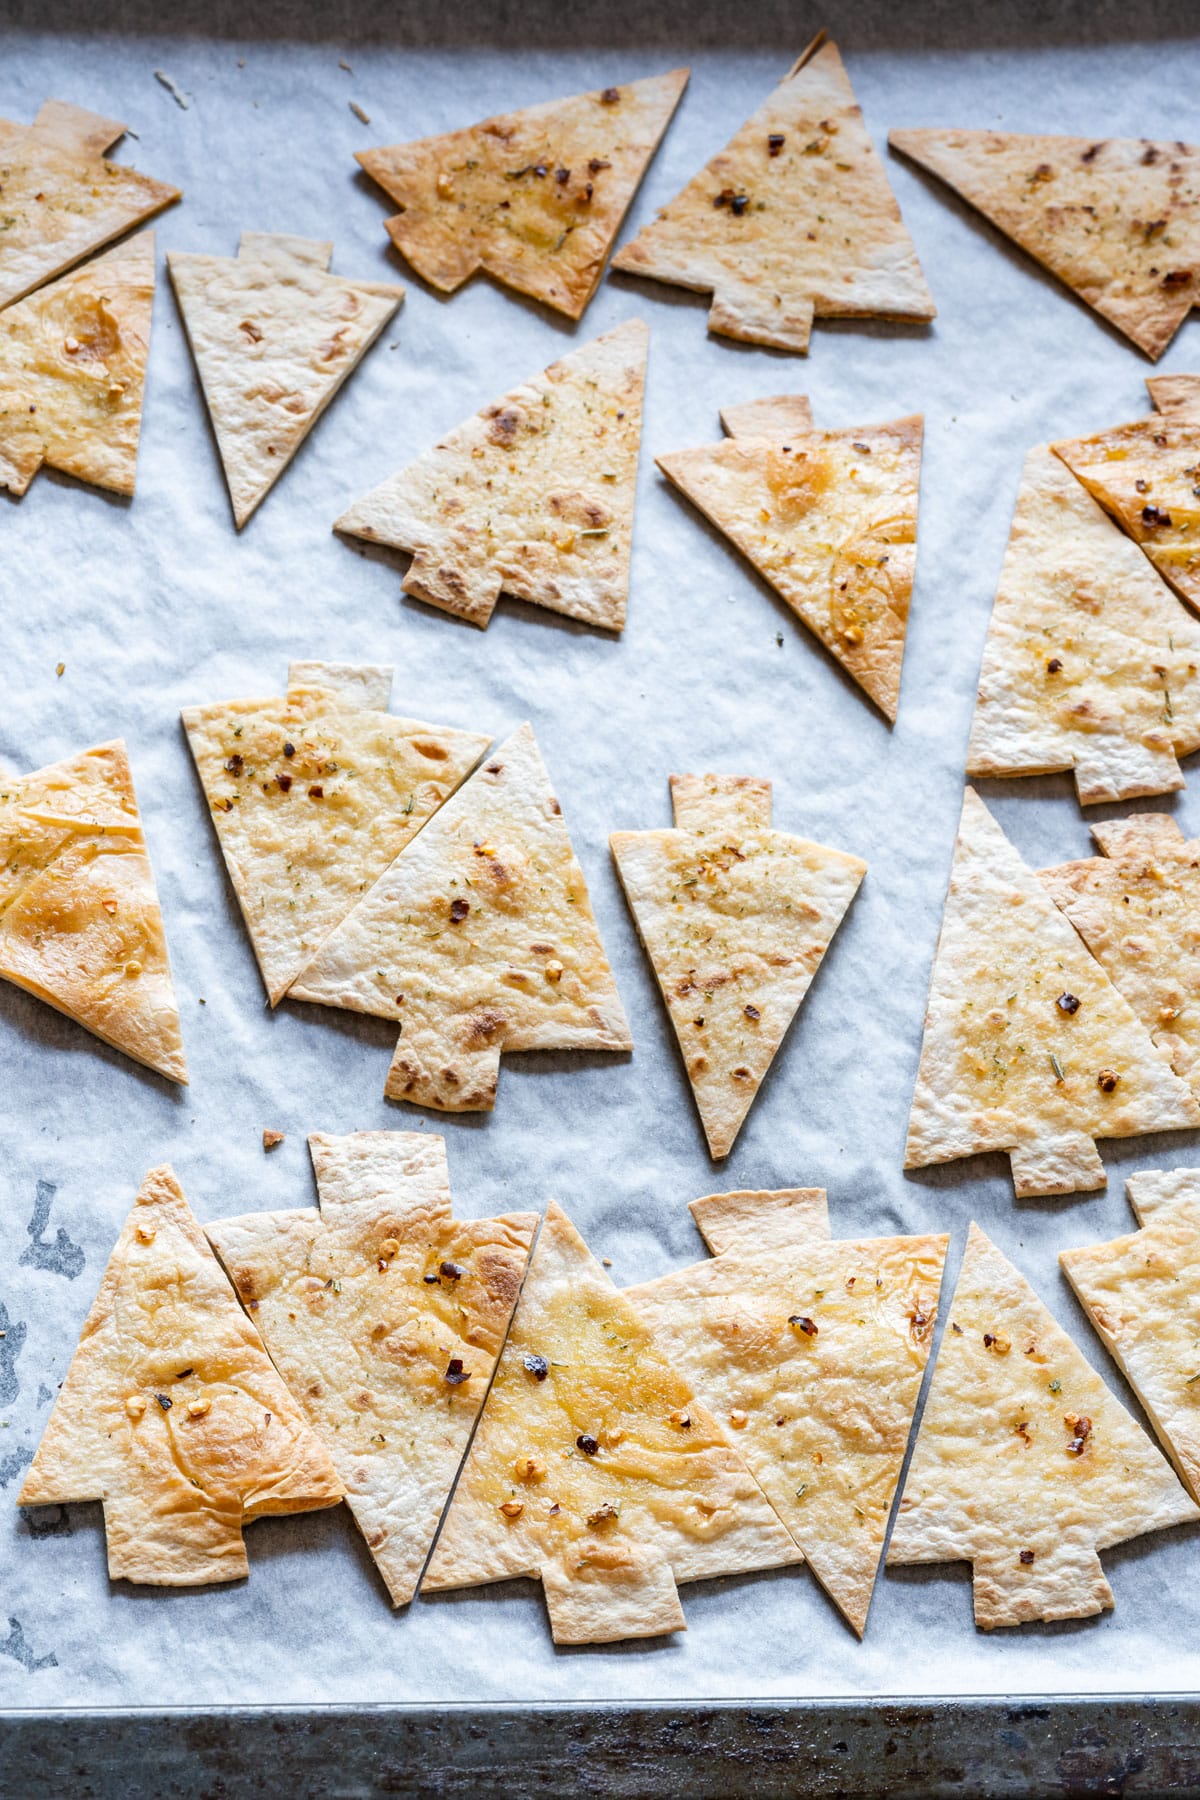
[[534, 197], [1147, 475], [385, 1315], [735, 919], [1028, 1046], [274, 336], [73, 370], [829, 518], [811, 1355], [793, 219], [533, 496], [1091, 663], [312, 797], [776, 416], [479, 938], [1116, 219], [594, 1468], [1137, 908], [61, 198], [80, 925], [171, 1413], [1025, 1465]]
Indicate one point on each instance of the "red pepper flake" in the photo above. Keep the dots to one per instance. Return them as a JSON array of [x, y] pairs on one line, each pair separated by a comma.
[[774, 143], [450, 1271], [165, 1401], [1054, 666], [236, 763], [316, 791], [738, 205], [1176, 278], [455, 1373], [1140, 486], [752, 1013], [603, 1515], [494, 768], [1155, 515], [596, 164], [587, 1443], [1107, 1080], [537, 1366], [956, 1329], [1067, 1003], [285, 782], [458, 911], [802, 1324], [863, 449], [1080, 1427], [562, 176], [1026, 1556], [289, 749], [610, 96]]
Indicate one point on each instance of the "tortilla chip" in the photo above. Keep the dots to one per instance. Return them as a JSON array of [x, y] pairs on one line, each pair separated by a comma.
[[776, 416], [80, 926], [534, 197], [829, 518], [1028, 1046], [765, 1218], [1174, 394], [811, 1355], [794, 218], [171, 1413], [73, 371], [735, 919], [1116, 219], [533, 496], [594, 1468], [1025, 1465], [1090, 662], [274, 336], [313, 796], [385, 1315], [62, 199], [479, 938]]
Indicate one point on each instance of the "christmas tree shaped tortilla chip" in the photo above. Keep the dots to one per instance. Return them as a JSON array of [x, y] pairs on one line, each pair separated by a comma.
[[1142, 1293], [171, 1413], [80, 925], [1116, 219], [1025, 1464], [62, 198], [274, 336], [313, 795], [793, 219], [384, 1314], [829, 518], [479, 938], [735, 918], [73, 370], [810, 1354], [1091, 663], [1028, 1046], [535, 197], [533, 496], [594, 1467]]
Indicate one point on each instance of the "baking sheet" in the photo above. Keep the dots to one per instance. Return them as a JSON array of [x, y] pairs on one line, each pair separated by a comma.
[[157, 604]]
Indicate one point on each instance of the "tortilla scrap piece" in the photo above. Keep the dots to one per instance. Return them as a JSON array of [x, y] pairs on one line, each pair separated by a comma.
[[735, 918], [1028, 1046], [62, 198], [1116, 219], [829, 518], [533, 496], [810, 1354], [313, 795], [793, 219], [1091, 664], [479, 938], [594, 1467], [73, 371], [80, 925], [534, 198], [385, 1315], [171, 1413], [1025, 1465], [274, 336]]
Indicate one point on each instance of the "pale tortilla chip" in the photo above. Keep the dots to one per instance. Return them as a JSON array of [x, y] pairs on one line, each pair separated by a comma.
[[534, 496], [764, 1217], [793, 219], [1090, 663], [479, 938], [534, 197], [1116, 219], [735, 919], [385, 1315], [1025, 1465], [1174, 394], [73, 372], [171, 1413], [313, 796], [62, 199], [775, 416], [829, 518], [810, 1354], [80, 925], [1028, 1046], [274, 336], [594, 1468]]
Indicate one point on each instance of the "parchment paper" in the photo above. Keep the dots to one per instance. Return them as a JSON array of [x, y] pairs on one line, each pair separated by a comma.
[[157, 604]]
